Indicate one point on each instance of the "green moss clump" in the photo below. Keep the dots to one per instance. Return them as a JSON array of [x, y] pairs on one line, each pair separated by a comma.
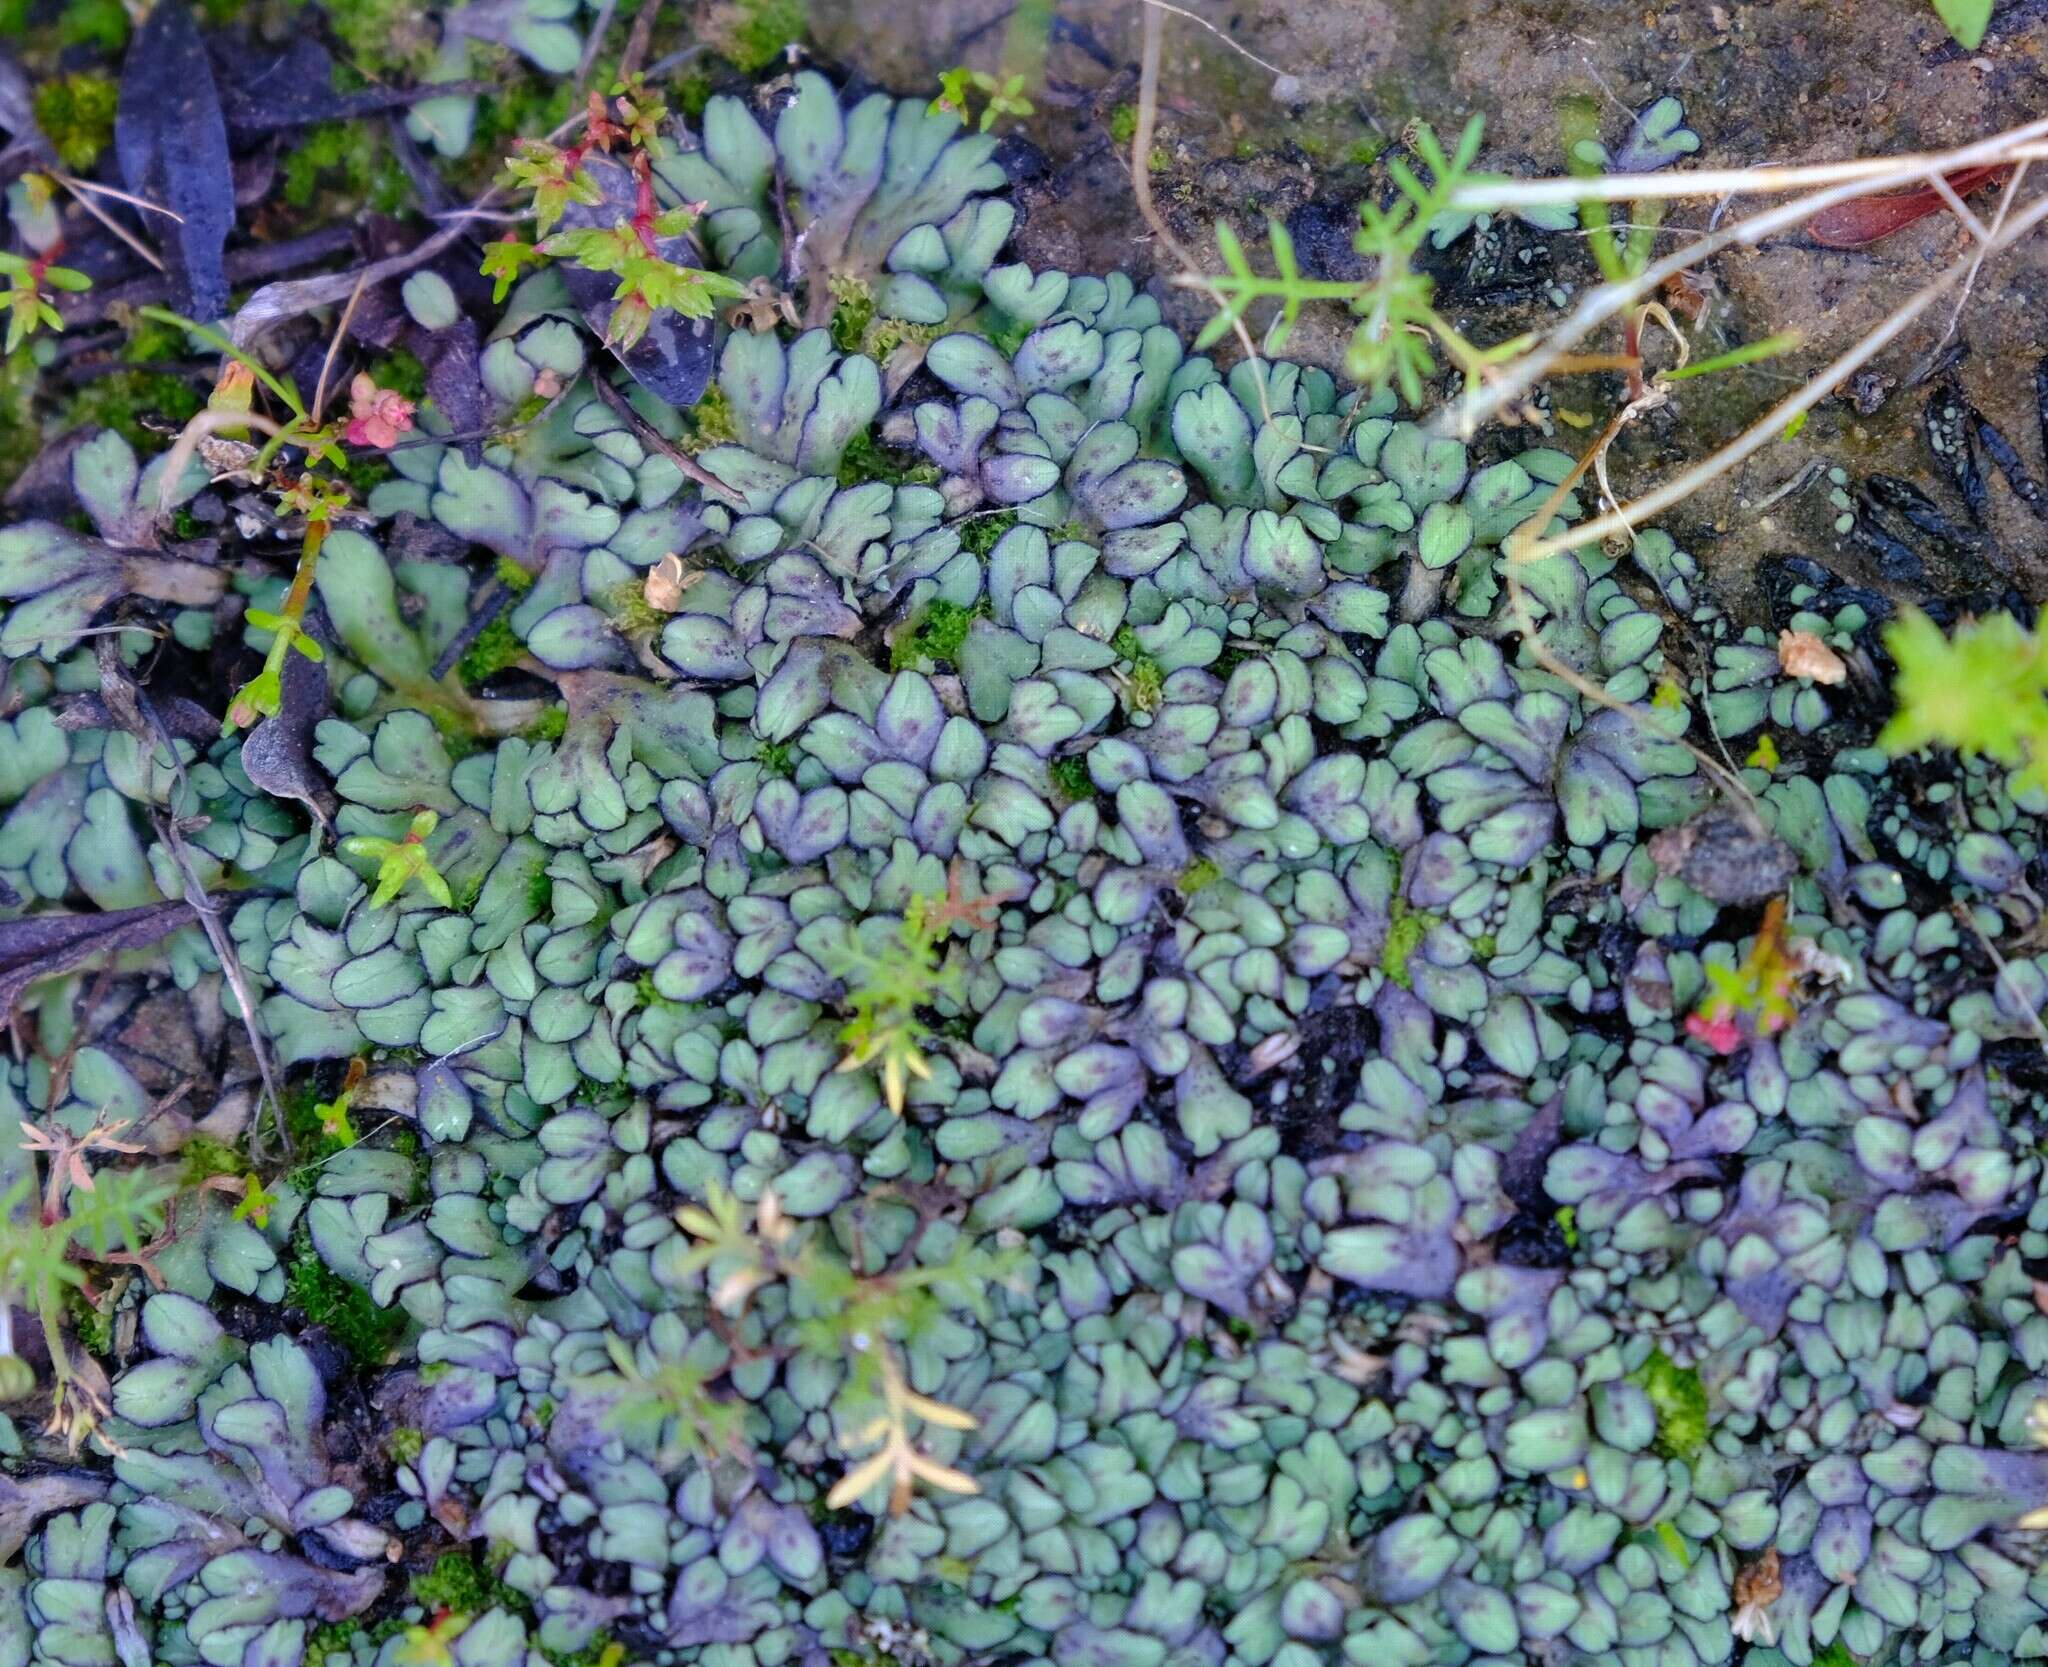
[[551, 725], [753, 34], [1070, 779], [1404, 938], [1197, 877], [980, 535], [20, 436], [853, 313], [540, 889], [386, 39], [405, 1444], [1145, 681], [1123, 123], [776, 758], [490, 651], [202, 1157], [711, 418], [351, 161], [459, 1583], [100, 23], [512, 576], [939, 634], [1680, 1400], [122, 398], [331, 1638], [76, 114], [867, 459], [345, 1310]]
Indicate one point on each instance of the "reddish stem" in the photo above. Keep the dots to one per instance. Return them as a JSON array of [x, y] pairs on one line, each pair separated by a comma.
[[1865, 220]]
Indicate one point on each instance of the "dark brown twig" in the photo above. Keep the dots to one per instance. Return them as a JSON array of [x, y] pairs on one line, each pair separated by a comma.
[[651, 436]]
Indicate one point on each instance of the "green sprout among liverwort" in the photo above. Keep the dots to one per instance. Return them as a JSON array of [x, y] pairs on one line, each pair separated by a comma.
[[1005, 97], [400, 861], [26, 297], [262, 696]]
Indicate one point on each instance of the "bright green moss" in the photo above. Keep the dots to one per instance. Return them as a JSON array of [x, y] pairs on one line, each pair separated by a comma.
[[551, 725], [1071, 780], [490, 651], [402, 373], [405, 1444], [76, 114], [1123, 123], [121, 399], [711, 417], [346, 1311], [776, 758], [202, 1157], [512, 576], [939, 635], [979, 535], [1680, 1400], [459, 1583], [352, 163], [867, 459], [753, 34], [1404, 937], [1197, 877], [853, 313]]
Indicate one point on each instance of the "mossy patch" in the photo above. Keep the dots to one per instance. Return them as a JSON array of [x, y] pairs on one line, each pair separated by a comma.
[[345, 1310], [866, 459], [939, 635], [76, 114], [490, 651], [979, 535], [753, 34], [1680, 1400], [352, 163], [460, 1584], [1070, 779], [1404, 937]]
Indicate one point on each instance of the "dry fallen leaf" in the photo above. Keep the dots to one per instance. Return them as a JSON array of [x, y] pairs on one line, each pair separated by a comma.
[[666, 582], [1802, 654]]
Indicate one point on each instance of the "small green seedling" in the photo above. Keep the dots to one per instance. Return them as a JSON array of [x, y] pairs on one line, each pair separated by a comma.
[[401, 861], [1005, 96]]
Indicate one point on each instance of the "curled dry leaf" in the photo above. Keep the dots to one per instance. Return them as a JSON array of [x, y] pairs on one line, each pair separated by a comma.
[[1802, 654], [666, 582]]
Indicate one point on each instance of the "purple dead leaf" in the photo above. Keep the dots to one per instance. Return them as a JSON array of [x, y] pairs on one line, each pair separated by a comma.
[[673, 360], [263, 91], [173, 146], [26, 1500], [42, 946], [277, 755]]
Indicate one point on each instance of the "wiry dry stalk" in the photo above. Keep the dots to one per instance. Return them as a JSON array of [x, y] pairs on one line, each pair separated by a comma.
[[1838, 182], [1773, 422]]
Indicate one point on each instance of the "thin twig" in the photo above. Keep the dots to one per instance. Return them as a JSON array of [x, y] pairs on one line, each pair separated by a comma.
[[591, 48], [1203, 22], [1962, 912], [207, 908], [348, 314], [73, 184], [104, 218], [204, 422], [1191, 273], [1865, 173], [1481, 403], [1984, 243], [651, 436], [1769, 426]]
